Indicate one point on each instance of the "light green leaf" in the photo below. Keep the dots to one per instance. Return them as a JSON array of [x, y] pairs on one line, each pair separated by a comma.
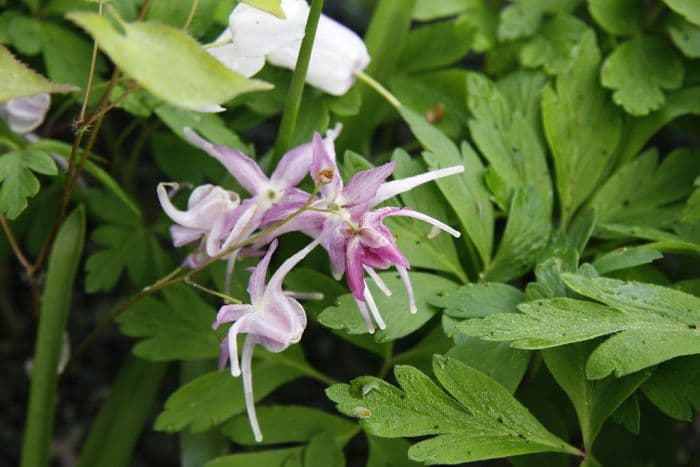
[[675, 387], [176, 328], [18, 181], [215, 397], [553, 48], [167, 62], [289, 424], [518, 20], [582, 127], [427, 10], [271, 6], [479, 300], [389, 452], [67, 56], [642, 192], [17, 80], [436, 45], [478, 420], [621, 17], [394, 309], [594, 401], [628, 414], [639, 70], [210, 126], [689, 9], [624, 258], [525, 236], [686, 36], [465, 193], [288, 457]]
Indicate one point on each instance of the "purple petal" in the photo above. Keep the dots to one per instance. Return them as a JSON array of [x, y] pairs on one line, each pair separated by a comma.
[[377, 280], [244, 169], [396, 187], [354, 273], [230, 313], [256, 285], [293, 167], [407, 212], [275, 284], [223, 353], [324, 169], [246, 360], [184, 235], [335, 244], [364, 185], [25, 114], [373, 239]]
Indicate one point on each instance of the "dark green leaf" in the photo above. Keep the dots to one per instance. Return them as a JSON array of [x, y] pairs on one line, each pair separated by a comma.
[[621, 17], [691, 10], [288, 457], [624, 258], [675, 387], [18, 181], [479, 300], [436, 45], [323, 450]]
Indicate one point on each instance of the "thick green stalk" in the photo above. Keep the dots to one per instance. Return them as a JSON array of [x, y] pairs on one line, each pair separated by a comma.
[[385, 37], [63, 264], [123, 415], [296, 88]]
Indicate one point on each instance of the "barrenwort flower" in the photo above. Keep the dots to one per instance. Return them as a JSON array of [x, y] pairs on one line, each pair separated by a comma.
[[25, 114]]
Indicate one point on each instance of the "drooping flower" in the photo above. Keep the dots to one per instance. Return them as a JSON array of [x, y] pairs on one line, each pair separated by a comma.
[[352, 232], [257, 36], [272, 319], [26, 113]]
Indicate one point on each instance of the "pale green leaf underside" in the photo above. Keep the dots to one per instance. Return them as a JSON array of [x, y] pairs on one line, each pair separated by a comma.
[[17, 80], [167, 62], [478, 300], [479, 419]]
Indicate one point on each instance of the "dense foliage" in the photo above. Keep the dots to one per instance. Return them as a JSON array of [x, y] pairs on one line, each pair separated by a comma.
[[559, 328]]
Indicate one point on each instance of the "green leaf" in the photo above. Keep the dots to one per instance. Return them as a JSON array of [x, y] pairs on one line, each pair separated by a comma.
[[167, 62], [594, 401], [426, 10], [126, 248], [526, 234], [465, 193], [288, 457], [624, 258], [436, 45], [690, 10], [518, 20], [385, 452], [582, 127], [67, 55], [271, 6], [55, 306], [176, 328], [686, 36], [621, 17], [17, 80], [639, 70], [323, 450], [641, 193], [176, 14], [394, 309], [25, 31], [114, 433], [553, 48], [289, 424], [215, 397], [18, 181], [675, 387], [479, 300], [628, 414], [478, 420]]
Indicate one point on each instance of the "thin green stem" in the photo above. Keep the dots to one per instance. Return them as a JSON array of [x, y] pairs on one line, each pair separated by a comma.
[[224, 297], [190, 16], [379, 88], [91, 76], [296, 88]]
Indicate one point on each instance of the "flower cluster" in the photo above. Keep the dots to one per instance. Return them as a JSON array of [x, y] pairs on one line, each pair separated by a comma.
[[255, 36], [345, 220]]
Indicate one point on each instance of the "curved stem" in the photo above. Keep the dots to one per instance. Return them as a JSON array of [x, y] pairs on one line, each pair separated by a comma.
[[379, 88], [296, 88], [190, 16]]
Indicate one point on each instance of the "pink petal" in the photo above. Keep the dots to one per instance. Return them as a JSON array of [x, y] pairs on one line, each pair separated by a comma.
[[243, 168], [324, 164], [256, 285], [275, 284], [407, 212], [396, 187], [354, 273], [230, 313], [246, 360], [377, 280], [293, 167], [364, 185]]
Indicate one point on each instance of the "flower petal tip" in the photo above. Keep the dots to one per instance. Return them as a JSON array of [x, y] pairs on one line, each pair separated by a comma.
[[413, 310]]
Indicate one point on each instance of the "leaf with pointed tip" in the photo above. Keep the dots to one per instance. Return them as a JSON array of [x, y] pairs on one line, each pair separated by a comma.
[[17, 177], [625, 258], [476, 418], [167, 62], [479, 300], [17, 80], [675, 387]]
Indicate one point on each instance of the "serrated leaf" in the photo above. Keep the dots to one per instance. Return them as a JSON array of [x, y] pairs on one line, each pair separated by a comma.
[[686, 36], [17, 80], [465, 193], [288, 457], [125, 248], [167, 62], [526, 234], [477, 420], [624, 258], [394, 309], [639, 70], [478, 300], [289, 424], [621, 17], [523, 17], [176, 328], [690, 10], [641, 193], [554, 46], [17, 177], [594, 401], [675, 387], [582, 127], [215, 397]]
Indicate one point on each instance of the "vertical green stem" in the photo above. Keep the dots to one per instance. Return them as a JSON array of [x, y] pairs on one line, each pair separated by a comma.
[[296, 88], [63, 265]]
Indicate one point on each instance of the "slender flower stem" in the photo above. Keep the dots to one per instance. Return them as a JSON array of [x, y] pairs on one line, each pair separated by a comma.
[[224, 297], [26, 264], [296, 88], [91, 75], [379, 88], [190, 17]]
